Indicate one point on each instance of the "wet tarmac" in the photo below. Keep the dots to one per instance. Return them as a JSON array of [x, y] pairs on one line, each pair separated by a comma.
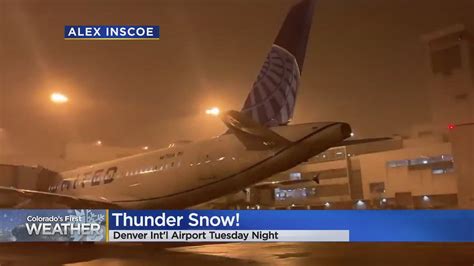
[[240, 254]]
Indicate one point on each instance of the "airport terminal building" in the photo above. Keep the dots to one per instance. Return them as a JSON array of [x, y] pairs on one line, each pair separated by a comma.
[[397, 173]]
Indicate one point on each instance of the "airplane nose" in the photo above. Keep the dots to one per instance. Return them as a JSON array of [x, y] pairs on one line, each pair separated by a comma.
[[346, 130]]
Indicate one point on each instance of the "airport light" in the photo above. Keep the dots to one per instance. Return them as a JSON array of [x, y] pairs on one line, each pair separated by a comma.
[[360, 203], [352, 134], [384, 200], [145, 148], [214, 111], [426, 198], [98, 143], [327, 204], [451, 126], [58, 98]]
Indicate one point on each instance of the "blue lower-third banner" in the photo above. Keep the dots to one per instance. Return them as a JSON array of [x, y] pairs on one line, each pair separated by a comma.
[[85, 225]]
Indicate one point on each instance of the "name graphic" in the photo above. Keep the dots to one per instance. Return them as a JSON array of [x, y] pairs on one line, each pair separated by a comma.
[[107, 32]]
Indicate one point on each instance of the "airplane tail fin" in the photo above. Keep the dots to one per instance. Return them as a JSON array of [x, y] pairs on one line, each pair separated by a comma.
[[271, 101]]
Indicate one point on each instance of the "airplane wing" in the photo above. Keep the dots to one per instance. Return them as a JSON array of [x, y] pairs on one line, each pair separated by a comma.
[[361, 141], [314, 179], [23, 198], [284, 183], [252, 134]]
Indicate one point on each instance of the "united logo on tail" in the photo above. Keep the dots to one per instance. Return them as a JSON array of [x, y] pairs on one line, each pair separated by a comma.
[[271, 101]]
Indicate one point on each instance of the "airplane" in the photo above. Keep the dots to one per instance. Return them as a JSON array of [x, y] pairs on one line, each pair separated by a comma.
[[259, 143]]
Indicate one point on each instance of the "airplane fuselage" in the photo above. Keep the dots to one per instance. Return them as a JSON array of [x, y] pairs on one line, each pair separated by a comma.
[[185, 175]]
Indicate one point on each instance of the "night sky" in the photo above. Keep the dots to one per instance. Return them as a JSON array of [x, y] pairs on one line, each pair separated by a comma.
[[365, 65]]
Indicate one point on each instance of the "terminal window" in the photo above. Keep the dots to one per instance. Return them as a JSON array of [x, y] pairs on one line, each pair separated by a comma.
[[445, 60], [378, 187], [440, 164], [397, 163], [442, 171], [282, 194], [295, 176], [432, 160]]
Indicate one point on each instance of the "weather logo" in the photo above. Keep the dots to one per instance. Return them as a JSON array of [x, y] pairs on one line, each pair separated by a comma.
[[82, 225]]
